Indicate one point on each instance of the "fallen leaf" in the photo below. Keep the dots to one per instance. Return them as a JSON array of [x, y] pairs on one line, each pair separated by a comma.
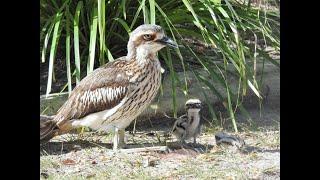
[[68, 162], [91, 175]]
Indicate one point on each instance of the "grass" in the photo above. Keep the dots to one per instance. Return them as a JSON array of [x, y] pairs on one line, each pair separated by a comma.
[[88, 34], [219, 162]]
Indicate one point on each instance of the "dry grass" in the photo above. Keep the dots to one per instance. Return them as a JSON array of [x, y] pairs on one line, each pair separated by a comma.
[[88, 156]]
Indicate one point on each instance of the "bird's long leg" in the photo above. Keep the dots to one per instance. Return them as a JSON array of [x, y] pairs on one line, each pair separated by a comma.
[[194, 145], [121, 138], [122, 145], [115, 138], [119, 143], [183, 143], [118, 138]]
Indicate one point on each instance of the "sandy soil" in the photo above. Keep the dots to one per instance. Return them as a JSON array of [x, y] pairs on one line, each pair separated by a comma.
[[89, 155]]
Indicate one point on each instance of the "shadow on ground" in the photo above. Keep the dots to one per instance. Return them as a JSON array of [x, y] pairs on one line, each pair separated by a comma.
[[58, 148]]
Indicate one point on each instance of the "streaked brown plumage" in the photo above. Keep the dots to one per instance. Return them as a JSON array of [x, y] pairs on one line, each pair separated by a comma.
[[116, 93]]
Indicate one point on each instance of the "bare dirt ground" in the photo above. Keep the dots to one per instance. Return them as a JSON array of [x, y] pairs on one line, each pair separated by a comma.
[[89, 155]]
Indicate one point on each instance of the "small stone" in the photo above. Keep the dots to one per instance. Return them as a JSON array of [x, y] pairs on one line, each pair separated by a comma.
[[44, 175], [151, 163], [77, 147], [151, 134], [222, 137]]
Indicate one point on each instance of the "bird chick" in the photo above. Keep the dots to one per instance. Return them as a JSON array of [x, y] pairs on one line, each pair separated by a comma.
[[188, 126]]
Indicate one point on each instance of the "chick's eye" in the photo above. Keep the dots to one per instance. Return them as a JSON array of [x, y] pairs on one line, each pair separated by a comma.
[[147, 37]]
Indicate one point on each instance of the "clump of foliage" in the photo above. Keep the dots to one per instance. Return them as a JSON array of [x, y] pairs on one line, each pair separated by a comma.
[[90, 33]]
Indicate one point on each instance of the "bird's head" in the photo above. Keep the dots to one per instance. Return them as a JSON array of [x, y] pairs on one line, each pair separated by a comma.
[[193, 105], [148, 39]]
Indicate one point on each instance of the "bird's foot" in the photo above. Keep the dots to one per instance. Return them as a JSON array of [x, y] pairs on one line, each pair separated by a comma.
[[118, 146], [183, 144], [194, 144]]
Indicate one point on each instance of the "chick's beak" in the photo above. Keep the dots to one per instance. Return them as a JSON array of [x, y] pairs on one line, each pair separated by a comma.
[[167, 41]]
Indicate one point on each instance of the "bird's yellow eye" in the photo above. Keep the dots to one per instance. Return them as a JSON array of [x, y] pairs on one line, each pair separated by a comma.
[[147, 37]]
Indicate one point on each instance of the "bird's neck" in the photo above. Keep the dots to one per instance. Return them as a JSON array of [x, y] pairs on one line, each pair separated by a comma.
[[144, 55], [193, 117], [141, 54], [131, 51]]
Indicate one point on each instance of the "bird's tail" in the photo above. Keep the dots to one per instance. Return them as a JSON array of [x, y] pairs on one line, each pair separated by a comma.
[[48, 128]]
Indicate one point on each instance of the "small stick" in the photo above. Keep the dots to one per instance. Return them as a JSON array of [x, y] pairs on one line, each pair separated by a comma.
[[144, 149]]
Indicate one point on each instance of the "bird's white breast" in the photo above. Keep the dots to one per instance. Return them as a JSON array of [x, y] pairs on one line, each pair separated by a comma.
[[94, 120]]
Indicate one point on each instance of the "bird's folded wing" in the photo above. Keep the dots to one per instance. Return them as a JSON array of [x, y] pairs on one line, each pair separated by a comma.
[[103, 89]]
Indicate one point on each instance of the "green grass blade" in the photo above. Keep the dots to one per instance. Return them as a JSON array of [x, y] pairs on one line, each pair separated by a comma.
[[168, 60], [216, 2], [44, 29], [254, 89], [122, 39], [123, 7], [137, 14], [55, 40], [233, 12], [76, 40], [55, 4], [231, 113], [124, 24], [223, 12], [169, 24], [145, 12], [211, 87], [152, 12], [68, 48], [49, 31], [45, 44], [102, 24], [267, 57], [190, 8], [109, 54], [93, 38], [207, 100]]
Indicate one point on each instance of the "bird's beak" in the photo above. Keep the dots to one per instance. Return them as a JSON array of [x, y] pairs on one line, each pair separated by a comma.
[[167, 41]]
